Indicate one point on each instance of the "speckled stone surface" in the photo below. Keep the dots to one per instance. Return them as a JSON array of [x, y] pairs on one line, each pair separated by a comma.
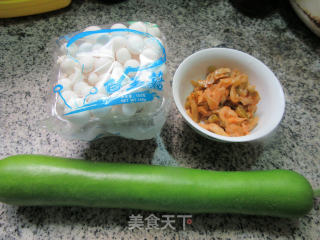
[[280, 40]]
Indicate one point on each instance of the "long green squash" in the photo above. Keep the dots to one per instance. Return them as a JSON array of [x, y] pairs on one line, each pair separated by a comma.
[[41, 180]]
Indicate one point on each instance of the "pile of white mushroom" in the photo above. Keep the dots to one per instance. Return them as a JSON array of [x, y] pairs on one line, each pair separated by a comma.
[[88, 63]]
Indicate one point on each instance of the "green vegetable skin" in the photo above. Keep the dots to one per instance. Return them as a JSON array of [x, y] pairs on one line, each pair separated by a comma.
[[42, 180]]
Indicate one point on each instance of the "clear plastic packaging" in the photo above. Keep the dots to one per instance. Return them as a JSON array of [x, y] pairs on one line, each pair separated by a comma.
[[110, 80]]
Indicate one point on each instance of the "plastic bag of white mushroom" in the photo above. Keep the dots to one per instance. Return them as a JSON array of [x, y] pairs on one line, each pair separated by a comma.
[[110, 80]]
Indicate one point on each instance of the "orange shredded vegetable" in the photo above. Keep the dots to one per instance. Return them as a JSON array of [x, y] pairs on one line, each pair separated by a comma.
[[224, 103]]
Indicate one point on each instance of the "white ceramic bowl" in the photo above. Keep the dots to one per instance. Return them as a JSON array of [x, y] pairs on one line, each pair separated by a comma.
[[270, 108], [309, 12]]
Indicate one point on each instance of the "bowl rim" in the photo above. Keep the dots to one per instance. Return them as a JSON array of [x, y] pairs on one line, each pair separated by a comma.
[[213, 136]]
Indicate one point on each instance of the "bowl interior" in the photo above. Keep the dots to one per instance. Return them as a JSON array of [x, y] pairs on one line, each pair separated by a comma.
[[271, 106]]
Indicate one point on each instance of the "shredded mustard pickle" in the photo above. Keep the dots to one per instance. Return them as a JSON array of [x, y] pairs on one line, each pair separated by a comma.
[[224, 103]]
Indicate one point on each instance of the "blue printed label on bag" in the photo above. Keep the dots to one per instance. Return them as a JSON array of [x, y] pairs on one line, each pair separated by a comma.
[[112, 86], [145, 96]]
